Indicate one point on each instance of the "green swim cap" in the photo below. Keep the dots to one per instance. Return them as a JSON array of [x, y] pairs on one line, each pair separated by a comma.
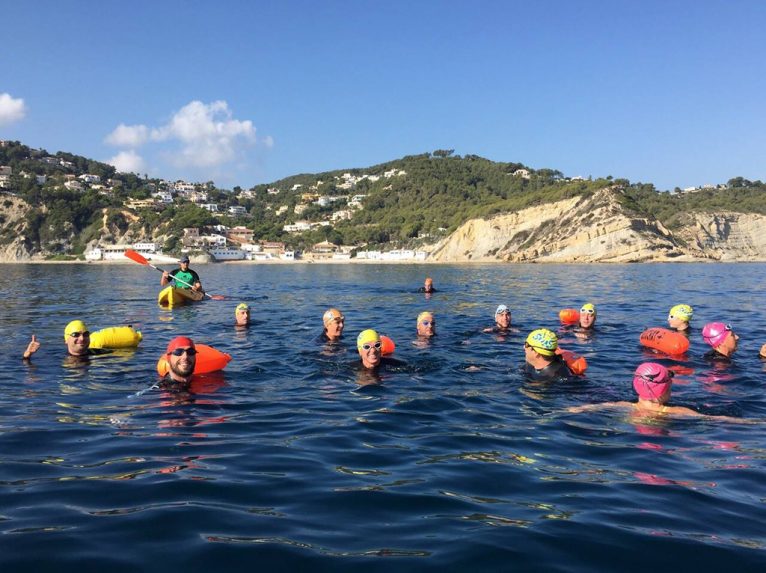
[[682, 311], [544, 341], [367, 336]]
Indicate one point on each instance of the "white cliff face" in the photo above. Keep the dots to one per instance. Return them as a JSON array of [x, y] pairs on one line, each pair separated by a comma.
[[598, 229]]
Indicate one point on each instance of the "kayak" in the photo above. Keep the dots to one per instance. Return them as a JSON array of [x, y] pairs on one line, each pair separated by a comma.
[[171, 296]]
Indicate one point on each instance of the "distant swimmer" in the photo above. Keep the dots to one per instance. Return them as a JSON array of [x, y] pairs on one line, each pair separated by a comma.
[[334, 322], [181, 355], [242, 315], [652, 382], [587, 316], [502, 321], [426, 324], [762, 353], [541, 361], [76, 338], [679, 317], [182, 277], [428, 286], [722, 339]]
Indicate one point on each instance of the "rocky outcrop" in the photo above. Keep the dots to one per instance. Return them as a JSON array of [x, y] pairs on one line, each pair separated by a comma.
[[599, 229]]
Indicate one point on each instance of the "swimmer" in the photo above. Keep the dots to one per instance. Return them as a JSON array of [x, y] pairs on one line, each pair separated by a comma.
[[76, 338], [502, 320], [722, 339], [679, 318], [242, 315], [541, 361], [587, 316], [370, 349], [652, 382], [334, 322], [182, 358], [761, 354], [426, 324], [428, 286]]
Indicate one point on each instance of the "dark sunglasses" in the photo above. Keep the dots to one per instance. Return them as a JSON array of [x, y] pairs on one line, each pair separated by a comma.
[[182, 351], [376, 346], [84, 333]]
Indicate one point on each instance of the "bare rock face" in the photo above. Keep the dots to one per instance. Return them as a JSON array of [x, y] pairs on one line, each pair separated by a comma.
[[14, 246], [599, 229]]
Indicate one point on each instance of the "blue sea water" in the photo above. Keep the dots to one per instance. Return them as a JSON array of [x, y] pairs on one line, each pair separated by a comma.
[[285, 463]]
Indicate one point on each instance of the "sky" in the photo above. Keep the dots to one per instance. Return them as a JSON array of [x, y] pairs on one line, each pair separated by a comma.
[[669, 92]]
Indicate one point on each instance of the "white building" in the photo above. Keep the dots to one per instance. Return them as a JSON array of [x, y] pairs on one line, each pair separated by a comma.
[[73, 185], [237, 210], [88, 178], [297, 227], [163, 197], [212, 207]]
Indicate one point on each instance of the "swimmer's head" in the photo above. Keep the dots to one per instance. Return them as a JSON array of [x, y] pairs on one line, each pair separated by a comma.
[[241, 307], [681, 312], [332, 314], [367, 337], [179, 342], [426, 315], [588, 308], [429, 281], [543, 341], [502, 309], [75, 327], [652, 381], [715, 333]]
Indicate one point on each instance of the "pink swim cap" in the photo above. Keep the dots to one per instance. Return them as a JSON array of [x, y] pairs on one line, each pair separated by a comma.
[[652, 380], [715, 333]]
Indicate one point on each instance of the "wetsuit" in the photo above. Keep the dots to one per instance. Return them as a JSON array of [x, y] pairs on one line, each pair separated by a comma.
[[556, 370], [423, 289], [188, 276], [716, 357]]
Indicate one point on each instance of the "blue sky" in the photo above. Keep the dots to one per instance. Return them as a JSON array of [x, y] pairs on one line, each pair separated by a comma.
[[241, 93]]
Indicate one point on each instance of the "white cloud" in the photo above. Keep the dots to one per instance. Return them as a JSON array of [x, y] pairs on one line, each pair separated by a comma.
[[128, 162], [11, 109], [128, 136], [207, 135]]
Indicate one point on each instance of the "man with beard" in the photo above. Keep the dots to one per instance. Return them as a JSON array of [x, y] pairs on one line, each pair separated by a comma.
[[182, 357]]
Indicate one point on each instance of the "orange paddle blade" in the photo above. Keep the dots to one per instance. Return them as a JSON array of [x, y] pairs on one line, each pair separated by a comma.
[[138, 257]]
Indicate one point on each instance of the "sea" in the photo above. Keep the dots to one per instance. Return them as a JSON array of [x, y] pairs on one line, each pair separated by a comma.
[[290, 460]]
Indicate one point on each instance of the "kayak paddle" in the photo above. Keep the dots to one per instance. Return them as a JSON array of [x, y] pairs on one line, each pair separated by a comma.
[[139, 258]]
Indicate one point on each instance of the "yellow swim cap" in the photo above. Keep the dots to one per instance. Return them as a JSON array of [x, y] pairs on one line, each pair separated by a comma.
[[367, 336], [424, 314], [682, 311], [74, 326], [241, 306], [589, 308], [332, 314], [544, 341]]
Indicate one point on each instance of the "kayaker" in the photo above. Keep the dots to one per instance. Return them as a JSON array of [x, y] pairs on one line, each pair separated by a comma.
[[334, 322], [541, 361], [186, 278]]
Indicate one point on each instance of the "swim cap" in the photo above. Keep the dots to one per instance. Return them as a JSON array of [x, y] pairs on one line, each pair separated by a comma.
[[589, 308], [424, 314], [502, 308], [331, 314], [241, 306], [715, 333], [544, 341], [429, 281], [367, 336], [682, 311], [74, 326], [179, 342], [652, 380]]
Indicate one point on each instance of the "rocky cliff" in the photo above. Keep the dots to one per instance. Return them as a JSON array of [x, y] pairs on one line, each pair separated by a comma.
[[599, 229]]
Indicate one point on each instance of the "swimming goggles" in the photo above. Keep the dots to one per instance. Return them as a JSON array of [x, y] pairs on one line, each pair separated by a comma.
[[84, 334], [588, 310], [377, 346], [182, 351], [428, 322]]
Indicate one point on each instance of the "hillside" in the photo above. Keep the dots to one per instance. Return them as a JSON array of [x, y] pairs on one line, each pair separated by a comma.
[[58, 205]]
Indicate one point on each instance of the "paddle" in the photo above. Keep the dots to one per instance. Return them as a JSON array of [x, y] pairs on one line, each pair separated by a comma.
[[139, 258]]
